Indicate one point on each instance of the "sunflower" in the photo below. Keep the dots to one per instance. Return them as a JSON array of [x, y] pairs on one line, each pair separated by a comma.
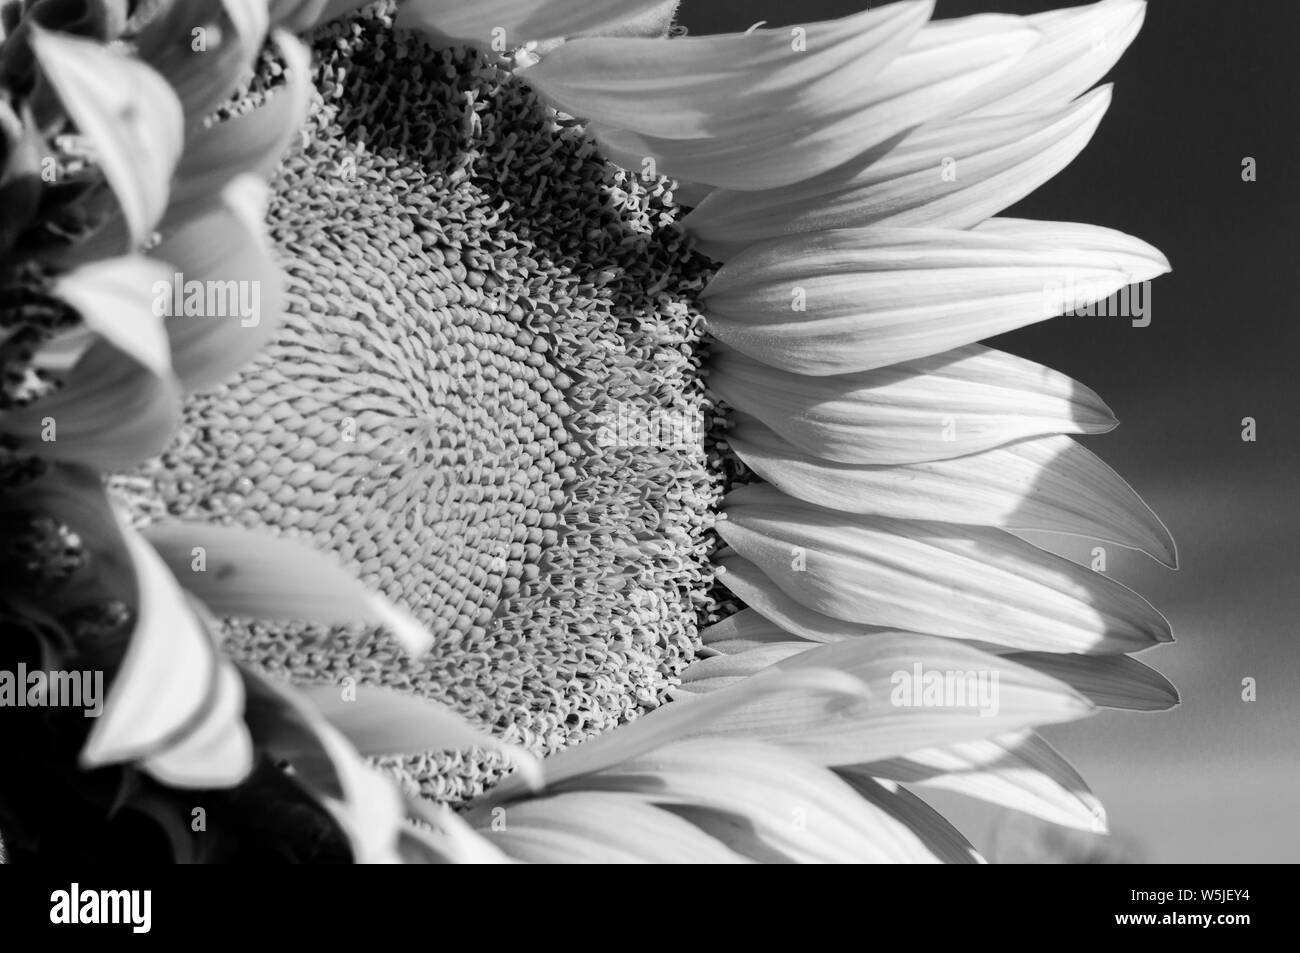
[[634, 376]]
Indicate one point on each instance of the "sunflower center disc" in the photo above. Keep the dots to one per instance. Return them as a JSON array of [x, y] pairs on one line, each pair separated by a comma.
[[485, 399]]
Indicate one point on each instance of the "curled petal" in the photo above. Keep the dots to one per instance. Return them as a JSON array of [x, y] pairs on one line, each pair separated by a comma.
[[128, 112]]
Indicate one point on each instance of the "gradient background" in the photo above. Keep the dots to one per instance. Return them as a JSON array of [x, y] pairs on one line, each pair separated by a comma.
[[1205, 84]]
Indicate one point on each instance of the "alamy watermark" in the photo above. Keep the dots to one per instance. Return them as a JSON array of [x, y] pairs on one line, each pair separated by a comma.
[[943, 688], [629, 426], [1079, 297], [208, 299], [55, 688]]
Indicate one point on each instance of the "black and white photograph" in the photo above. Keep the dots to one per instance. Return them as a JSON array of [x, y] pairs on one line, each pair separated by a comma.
[[627, 431]]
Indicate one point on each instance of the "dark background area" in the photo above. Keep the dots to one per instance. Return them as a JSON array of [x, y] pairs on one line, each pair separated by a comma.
[[1205, 85]]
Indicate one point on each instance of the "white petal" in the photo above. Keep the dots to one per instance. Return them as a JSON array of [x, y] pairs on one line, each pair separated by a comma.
[[988, 695], [1077, 47], [950, 405], [1110, 681], [962, 582], [944, 840], [1049, 484], [949, 173], [832, 121], [854, 299]]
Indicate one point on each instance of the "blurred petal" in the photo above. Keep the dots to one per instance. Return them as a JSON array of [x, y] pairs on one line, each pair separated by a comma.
[[128, 112], [380, 721], [450, 838], [254, 575], [949, 173], [225, 255], [250, 143], [934, 408], [110, 413], [1049, 484], [1019, 770], [519, 20], [963, 582], [587, 827], [855, 299], [218, 752], [204, 49], [115, 299], [169, 676]]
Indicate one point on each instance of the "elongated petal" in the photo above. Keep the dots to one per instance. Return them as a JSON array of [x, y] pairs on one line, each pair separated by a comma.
[[746, 663], [854, 299], [775, 608], [708, 86], [1110, 681], [128, 112], [766, 803], [251, 143], [949, 173], [1018, 770], [218, 752], [1050, 484], [944, 840], [671, 722], [168, 677], [922, 691], [115, 298], [379, 721], [519, 21], [963, 582], [110, 413], [1077, 47], [225, 298], [603, 828], [204, 49], [256, 575], [797, 142], [935, 408]]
